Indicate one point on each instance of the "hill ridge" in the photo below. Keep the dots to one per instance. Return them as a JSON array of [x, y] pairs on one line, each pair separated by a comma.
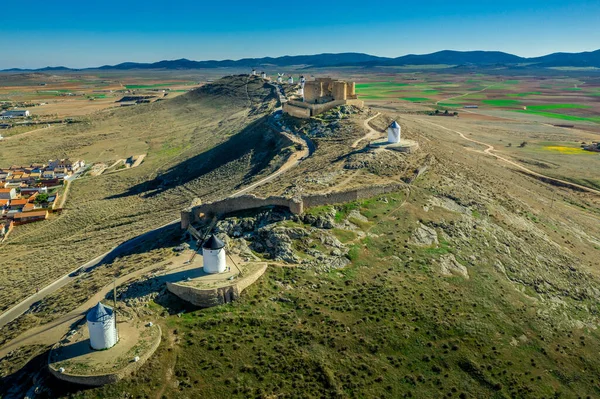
[[450, 57]]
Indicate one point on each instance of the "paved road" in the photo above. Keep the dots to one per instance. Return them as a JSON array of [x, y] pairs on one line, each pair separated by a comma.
[[24, 305]]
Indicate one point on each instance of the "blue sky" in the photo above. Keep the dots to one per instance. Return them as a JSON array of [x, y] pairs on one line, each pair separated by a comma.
[[94, 32]]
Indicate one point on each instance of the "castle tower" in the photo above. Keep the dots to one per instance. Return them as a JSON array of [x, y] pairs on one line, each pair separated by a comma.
[[394, 133], [302, 80], [213, 253], [101, 324]]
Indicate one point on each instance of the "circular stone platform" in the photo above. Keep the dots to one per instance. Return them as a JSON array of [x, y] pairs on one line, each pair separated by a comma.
[[195, 286], [407, 146], [85, 366]]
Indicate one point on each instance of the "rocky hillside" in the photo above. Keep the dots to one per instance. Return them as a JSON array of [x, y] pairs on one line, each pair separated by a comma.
[[462, 284]]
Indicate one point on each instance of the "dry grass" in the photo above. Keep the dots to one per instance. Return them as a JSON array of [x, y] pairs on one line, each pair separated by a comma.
[[193, 151]]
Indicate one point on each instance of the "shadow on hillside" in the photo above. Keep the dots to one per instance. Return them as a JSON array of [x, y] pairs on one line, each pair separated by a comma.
[[257, 140], [163, 237]]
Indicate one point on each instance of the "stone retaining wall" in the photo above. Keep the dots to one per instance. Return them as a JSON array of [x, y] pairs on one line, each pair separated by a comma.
[[295, 205], [207, 297], [305, 110], [109, 378]]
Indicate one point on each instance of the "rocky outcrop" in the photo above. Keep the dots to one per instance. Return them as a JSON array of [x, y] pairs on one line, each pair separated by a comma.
[[424, 236], [450, 267]]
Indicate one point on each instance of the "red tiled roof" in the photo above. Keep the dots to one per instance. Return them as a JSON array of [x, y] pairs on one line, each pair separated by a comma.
[[22, 215]]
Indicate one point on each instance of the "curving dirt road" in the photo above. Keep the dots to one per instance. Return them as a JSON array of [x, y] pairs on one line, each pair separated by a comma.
[[372, 133], [490, 149], [20, 308]]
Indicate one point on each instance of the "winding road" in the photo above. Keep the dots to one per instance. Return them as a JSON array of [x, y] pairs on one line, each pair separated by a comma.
[[490, 151], [371, 133], [20, 308]]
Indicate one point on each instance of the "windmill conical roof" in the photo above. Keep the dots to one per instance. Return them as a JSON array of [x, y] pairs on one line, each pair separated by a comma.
[[213, 243], [395, 125], [99, 312]]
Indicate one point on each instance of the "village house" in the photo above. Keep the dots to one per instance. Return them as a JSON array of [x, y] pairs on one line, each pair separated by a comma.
[[16, 113], [48, 174], [17, 204], [8, 193], [29, 217]]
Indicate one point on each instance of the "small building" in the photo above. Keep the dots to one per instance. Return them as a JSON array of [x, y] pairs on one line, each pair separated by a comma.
[[213, 254], [16, 113], [103, 329], [394, 132], [48, 174], [29, 217], [8, 193]]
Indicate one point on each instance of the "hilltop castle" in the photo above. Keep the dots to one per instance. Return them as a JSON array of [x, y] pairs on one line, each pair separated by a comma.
[[321, 95]]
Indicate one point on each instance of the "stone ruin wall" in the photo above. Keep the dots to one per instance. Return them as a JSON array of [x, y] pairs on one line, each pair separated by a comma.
[[296, 111], [295, 205]]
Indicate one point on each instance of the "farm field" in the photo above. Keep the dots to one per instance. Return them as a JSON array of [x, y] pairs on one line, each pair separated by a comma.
[[105, 210], [64, 95], [479, 311], [558, 99]]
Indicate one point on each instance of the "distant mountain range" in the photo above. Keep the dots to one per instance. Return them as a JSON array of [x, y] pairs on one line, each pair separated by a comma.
[[445, 57]]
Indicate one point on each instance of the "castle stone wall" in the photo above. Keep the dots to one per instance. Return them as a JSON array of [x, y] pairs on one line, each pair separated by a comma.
[[295, 205]]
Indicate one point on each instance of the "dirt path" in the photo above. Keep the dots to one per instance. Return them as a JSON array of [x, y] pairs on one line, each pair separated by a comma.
[[372, 133], [26, 133], [463, 95], [18, 309], [490, 151], [64, 196], [171, 360], [49, 333], [292, 161]]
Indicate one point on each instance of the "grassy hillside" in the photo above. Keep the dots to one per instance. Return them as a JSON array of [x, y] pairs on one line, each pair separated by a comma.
[[202, 144], [395, 323], [504, 304]]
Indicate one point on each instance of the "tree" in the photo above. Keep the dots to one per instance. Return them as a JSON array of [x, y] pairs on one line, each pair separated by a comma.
[[523, 144], [41, 198]]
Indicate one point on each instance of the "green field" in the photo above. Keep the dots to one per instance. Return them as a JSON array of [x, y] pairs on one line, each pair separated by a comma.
[[157, 85], [525, 94], [556, 106], [502, 103], [554, 115], [415, 99]]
